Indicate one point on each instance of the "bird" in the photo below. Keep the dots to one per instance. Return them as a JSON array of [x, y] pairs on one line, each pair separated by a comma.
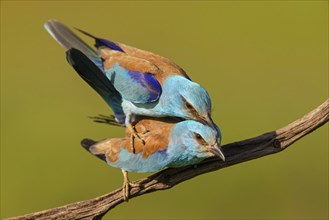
[[169, 142], [133, 81]]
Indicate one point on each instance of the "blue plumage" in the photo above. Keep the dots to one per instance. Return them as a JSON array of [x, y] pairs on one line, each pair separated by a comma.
[[168, 144], [131, 162], [134, 86], [106, 43], [138, 83], [89, 72], [148, 84], [181, 144], [100, 42]]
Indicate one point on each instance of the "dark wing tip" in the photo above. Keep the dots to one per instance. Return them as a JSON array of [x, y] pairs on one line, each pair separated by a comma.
[[85, 33], [87, 143], [71, 54]]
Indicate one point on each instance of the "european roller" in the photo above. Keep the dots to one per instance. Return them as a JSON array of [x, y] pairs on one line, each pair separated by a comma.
[[135, 82], [168, 143]]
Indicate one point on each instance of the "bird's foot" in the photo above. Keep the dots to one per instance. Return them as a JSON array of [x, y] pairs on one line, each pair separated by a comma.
[[134, 135], [126, 190], [127, 186]]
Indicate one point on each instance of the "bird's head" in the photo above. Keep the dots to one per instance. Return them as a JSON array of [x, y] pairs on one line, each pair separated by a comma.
[[190, 101], [197, 140]]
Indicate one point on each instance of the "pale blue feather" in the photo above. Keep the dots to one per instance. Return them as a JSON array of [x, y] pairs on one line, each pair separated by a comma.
[[182, 150]]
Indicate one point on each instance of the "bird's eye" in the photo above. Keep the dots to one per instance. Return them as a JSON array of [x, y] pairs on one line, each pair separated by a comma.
[[188, 105], [200, 139]]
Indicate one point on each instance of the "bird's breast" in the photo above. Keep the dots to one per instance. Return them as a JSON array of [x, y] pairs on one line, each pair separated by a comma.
[[148, 109], [137, 163]]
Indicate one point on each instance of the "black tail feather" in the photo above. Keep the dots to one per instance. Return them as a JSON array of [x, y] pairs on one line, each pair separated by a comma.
[[95, 77], [87, 143], [90, 73]]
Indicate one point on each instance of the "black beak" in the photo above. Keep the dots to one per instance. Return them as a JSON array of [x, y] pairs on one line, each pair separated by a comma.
[[216, 150], [208, 121]]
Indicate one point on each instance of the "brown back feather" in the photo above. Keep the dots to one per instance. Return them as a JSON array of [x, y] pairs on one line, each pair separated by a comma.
[[142, 61], [155, 133]]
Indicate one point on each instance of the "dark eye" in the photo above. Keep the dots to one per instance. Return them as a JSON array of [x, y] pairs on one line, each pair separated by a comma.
[[200, 139], [188, 105]]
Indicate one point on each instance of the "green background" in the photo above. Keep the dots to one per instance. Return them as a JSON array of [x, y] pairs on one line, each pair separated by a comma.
[[264, 63]]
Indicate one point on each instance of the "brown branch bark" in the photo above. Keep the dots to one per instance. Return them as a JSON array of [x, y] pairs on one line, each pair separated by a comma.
[[237, 152]]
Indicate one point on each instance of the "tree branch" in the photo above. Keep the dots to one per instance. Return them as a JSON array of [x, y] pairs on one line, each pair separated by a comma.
[[237, 152]]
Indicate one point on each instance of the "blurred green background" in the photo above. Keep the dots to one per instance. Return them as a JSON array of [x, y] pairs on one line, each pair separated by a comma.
[[264, 63]]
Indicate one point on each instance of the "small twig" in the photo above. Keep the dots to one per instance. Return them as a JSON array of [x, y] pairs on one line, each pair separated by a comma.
[[237, 152]]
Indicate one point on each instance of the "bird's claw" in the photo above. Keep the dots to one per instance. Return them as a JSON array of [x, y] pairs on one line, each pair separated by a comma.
[[133, 136], [126, 189]]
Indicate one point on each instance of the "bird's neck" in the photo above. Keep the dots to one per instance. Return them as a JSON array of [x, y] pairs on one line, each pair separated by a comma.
[[170, 98], [180, 151], [180, 155]]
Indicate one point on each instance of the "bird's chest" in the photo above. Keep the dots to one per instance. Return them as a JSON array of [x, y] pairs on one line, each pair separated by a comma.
[[149, 109], [137, 163], [185, 161], [181, 155]]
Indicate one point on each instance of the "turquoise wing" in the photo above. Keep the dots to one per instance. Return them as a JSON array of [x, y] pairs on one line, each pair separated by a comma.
[[136, 87]]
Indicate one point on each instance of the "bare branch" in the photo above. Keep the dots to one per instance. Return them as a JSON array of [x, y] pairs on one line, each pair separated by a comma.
[[237, 152]]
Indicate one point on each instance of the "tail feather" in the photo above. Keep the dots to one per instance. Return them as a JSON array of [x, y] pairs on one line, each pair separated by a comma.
[[67, 39], [87, 144], [102, 42], [87, 64], [91, 74]]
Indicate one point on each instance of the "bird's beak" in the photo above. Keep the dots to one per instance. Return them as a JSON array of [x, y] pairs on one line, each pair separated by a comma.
[[216, 150], [208, 121]]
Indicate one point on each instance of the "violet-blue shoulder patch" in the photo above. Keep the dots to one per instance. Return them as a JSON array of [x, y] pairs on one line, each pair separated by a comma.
[[103, 42], [136, 87]]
